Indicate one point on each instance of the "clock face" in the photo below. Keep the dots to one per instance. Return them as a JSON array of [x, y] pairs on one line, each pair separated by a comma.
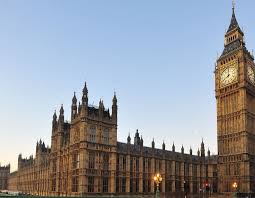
[[251, 74], [228, 75]]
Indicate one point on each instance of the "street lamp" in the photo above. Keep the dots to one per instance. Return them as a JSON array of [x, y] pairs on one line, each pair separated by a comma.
[[157, 179], [235, 188]]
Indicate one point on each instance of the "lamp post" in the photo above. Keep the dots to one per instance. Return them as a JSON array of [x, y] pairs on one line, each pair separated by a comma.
[[157, 179], [235, 188]]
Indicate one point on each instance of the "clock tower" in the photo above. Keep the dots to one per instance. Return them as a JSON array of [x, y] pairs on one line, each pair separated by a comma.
[[235, 95]]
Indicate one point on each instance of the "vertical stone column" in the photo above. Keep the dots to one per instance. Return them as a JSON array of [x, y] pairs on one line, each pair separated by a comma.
[[140, 174], [57, 173], [82, 160], [163, 173], [69, 182], [153, 172], [191, 178], [112, 172], [128, 174], [199, 177], [173, 176], [182, 176]]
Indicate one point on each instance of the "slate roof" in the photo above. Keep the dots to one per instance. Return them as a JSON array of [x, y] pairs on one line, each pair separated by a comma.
[[92, 110], [233, 23], [231, 47]]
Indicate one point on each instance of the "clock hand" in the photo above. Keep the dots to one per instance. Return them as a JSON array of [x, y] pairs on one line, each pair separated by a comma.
[[226, 77]]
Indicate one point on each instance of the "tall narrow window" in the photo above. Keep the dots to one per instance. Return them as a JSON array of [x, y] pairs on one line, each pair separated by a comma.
[[75, 160], [75, 181], [105, 161], [105, 184], [92, 134], [91, 160], [90, 184], [123, 187], [106, 136]]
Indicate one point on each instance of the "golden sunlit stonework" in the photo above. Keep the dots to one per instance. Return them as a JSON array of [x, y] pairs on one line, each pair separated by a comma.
[[85, 157], [235, 95]]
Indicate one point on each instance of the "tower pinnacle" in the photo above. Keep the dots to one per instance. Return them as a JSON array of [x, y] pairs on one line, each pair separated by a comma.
[[233, 4], [233, 23]]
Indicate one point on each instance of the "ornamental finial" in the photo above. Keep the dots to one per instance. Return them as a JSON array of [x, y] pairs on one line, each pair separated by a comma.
[[233, 4]]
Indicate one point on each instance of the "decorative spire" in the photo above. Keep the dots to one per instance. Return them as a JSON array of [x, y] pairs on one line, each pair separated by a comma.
[[55, 115], [182, 149], [209, 152], [61, 118], [54, 122], [85, 95], [101, 104], [137, 138], [141, 142], [164, 145], [114, 108], [202, 148], [173, 147], [79, 108], [233, 4], [74, 107], [114, 100], [129, 139], [233, 23], [85, 89], [137, 133], [190, 151], [61, 110], [74, 100], [153, 144]]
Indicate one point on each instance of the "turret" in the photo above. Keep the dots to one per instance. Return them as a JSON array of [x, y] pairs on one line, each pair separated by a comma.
[[198, 152], [74, 107], [114, 109]]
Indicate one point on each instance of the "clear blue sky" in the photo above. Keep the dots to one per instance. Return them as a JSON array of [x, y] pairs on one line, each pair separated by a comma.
[[158, 55]]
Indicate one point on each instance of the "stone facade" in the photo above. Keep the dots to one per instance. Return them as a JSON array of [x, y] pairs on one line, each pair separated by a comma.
[[12, 182], [86, 158], [4, 174]]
